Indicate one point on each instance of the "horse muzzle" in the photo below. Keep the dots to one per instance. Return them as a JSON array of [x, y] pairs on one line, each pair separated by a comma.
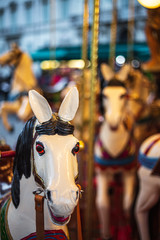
[[61, 207]]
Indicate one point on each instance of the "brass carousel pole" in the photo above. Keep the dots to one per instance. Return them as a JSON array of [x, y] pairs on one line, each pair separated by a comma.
[[130, 34], [85, 33], [82, 84], [94, 62], [113, 35], [52, 29]]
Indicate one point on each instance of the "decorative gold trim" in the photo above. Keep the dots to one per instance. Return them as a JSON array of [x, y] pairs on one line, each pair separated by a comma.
[[93, 81]]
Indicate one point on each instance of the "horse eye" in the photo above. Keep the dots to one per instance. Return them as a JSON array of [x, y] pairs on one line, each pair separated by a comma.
[[123, 96], [75, 149], [40, 149], [104, 96]]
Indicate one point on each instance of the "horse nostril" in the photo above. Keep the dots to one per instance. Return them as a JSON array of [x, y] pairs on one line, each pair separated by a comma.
[[75, 195], [49, 195]]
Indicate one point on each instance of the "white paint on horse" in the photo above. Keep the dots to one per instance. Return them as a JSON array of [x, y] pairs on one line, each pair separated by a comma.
[[149, 191], [42, 110], [114, 137], [113, 128], [57, 167]]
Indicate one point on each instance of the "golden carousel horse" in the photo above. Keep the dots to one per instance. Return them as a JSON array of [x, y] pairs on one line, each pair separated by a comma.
[[23, 80]]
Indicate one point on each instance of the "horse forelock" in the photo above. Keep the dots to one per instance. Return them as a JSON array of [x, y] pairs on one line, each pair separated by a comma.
[[116, 83], [55, 126]]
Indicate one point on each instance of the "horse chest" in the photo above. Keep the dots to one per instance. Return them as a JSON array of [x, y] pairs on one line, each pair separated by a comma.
[[114, 141], [115, 149]]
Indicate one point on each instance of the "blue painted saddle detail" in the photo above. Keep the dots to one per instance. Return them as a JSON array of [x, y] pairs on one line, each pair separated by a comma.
[[148, 162], [114, 162]]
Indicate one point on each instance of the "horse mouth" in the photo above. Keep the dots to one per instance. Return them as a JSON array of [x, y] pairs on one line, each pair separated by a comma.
[[58, 220], [113, 128]]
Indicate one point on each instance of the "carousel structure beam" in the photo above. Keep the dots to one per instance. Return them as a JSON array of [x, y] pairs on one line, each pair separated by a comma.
[[94, 63]]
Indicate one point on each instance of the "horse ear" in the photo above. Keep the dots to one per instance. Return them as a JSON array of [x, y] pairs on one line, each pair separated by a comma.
[[69, 105], [123, 73], [40, 106], [107, 72]]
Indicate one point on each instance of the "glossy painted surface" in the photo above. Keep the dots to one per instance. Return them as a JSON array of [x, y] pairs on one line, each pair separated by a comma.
[[56, 163], [149, 189]]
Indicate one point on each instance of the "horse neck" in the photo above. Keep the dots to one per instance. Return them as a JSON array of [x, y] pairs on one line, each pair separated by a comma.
[[108, 132], [22, 221], [23, 76], [26, 205], [114, 141]]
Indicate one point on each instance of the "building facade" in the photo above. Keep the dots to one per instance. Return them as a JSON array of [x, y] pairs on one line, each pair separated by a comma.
[[49, 24]]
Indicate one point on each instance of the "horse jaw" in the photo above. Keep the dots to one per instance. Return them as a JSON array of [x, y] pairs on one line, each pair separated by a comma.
[[57, 220]]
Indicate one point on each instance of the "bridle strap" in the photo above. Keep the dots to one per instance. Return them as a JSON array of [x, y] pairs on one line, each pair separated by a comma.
[[79, 226], [37, 178], [39, 207]]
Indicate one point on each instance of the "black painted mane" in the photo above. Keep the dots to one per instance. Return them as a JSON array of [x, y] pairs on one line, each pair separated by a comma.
[[22, 161], [115, 83]]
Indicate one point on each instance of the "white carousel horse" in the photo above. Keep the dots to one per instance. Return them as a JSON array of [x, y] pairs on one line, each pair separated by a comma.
[[149, 192], [114, 148], [23, 80], [45, 158]]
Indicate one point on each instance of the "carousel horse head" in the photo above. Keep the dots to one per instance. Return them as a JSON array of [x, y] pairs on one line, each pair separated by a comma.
[[12, 57], [23, 80], [114, 95], [46, 150]]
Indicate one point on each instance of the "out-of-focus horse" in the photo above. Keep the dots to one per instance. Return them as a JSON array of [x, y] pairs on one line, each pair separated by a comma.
[[142, 95], [115, 147], [149, 191], [45, 159], [23, 80]]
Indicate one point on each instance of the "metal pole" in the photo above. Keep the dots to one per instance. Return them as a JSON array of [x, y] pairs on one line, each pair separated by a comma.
[[113, 35], [130, 34], [82, 106], [94, 63], [85, 33], [53, 29]]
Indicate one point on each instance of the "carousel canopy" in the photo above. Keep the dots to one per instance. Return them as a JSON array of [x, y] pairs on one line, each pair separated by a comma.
[[140, 50]]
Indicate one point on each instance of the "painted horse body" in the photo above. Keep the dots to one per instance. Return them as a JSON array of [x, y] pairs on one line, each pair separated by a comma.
[[45, 159], [23, 80], [149, 191], [114, 151]]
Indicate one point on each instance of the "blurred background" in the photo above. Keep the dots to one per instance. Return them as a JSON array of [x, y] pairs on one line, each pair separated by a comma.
[[52, 45], [51, 33]]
